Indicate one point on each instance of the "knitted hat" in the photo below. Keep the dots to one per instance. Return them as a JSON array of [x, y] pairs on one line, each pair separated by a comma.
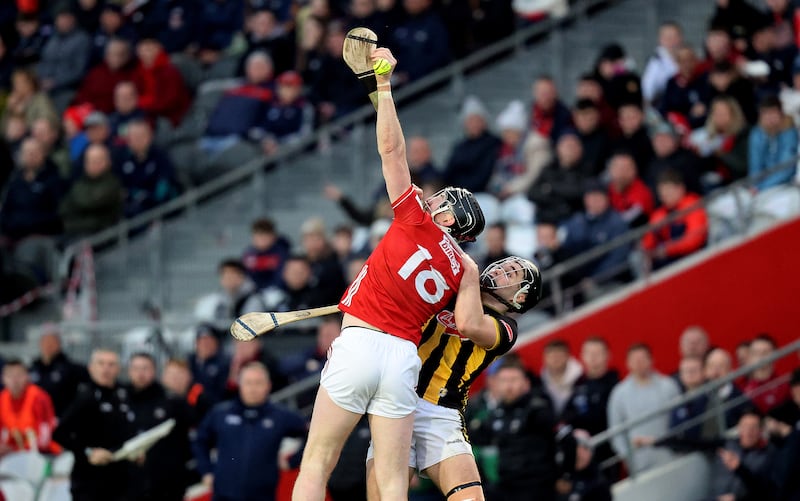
[[513, 117], [473, 106]]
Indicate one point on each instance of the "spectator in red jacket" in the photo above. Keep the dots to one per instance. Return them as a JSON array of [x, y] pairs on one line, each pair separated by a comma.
[[117, 66], [682, 236], [628, 194], [27, 417], [162, 92], [760, 384]]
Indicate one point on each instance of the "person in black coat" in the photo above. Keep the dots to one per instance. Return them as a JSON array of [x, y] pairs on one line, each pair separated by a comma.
[[472, 159], [30, 206], [208, 364], [580, 477], [634, 137], [558, 191], [420, 41], [93, 427], [55, 373], [521, 427], [335, 90], [586, 408], [164, 474]]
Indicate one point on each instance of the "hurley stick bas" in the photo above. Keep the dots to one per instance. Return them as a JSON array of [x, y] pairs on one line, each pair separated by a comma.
[[358, 45], [250, 325]]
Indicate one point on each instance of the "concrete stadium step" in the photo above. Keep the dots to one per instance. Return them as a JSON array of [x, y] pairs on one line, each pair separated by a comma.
[[193, 243]]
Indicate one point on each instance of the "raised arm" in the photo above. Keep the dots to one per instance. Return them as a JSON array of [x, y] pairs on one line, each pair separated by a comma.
[[391, 143]]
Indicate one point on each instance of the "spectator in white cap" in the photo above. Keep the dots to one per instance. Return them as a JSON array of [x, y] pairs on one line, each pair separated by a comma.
[[472, 159], [521, 158]]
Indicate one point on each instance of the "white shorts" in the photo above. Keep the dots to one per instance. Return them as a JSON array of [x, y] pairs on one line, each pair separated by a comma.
[[371, 372], [439, 434]]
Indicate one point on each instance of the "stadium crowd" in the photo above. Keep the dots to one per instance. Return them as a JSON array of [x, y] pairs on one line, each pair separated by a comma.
[[529, 428], [96, 93]]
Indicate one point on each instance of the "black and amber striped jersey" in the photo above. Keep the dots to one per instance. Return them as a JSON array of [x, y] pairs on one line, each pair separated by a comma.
[[451, 362]]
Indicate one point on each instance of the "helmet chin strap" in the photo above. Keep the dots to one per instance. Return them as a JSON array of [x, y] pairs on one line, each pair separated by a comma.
[[505, 303]]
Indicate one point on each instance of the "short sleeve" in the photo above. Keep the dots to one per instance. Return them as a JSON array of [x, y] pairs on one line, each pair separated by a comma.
[[506, 336], [408, 208]]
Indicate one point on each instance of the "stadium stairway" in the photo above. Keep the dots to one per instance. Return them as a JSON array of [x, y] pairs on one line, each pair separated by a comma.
[[191, 244]]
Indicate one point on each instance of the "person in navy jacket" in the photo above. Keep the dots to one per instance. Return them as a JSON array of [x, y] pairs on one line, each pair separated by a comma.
[[247, 433]]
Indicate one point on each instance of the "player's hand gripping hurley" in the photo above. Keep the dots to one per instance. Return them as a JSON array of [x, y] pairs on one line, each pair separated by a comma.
[[250, 325]]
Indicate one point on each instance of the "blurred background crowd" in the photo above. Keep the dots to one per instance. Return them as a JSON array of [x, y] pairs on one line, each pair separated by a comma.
[[109, 109]]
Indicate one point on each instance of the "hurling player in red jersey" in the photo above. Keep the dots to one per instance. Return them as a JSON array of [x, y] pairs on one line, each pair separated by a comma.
[[457, 345], [373, 365]]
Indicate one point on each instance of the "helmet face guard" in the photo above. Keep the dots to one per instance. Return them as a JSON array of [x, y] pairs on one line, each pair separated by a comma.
[[517, 273], [467, 214]]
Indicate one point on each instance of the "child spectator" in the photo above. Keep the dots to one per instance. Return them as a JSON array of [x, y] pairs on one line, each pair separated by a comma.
[[266, 254], [290, 118], [772, 142], [684, 235]]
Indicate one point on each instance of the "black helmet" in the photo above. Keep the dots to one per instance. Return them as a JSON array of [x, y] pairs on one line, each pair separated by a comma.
[[530, 283], [469, 220]]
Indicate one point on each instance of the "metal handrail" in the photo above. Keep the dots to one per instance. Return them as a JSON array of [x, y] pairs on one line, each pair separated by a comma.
[[449, 73], [634, 235], [717, 412], [706, 388]]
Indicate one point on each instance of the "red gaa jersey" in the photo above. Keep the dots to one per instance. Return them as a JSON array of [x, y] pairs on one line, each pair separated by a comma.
[[411, 275]]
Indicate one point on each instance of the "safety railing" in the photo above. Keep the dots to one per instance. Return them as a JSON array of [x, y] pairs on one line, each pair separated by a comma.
[[559, 299], [716, 412], [254, 170]]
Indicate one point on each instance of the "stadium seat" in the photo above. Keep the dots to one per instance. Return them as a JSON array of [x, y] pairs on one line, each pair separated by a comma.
[[62, 464], [521, 239], [15, 489], [189, 69], [29, 466], [730, 207], [780, 202], [55, 489]]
